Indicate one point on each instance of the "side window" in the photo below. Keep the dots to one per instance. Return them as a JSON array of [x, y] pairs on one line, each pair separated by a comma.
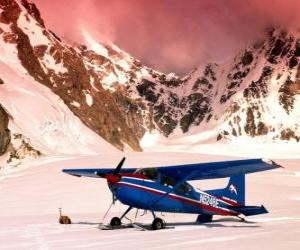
[[167, 181], [185, 188]]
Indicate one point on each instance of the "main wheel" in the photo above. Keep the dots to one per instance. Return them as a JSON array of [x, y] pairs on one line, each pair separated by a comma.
[[115, 222], [158, 224], [204, 218]]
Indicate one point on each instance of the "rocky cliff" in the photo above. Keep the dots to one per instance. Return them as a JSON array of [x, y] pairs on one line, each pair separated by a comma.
[[252, 94], [4, 131]]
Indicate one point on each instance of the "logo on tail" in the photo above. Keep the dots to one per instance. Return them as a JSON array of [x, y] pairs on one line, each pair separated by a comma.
[[232, 189]]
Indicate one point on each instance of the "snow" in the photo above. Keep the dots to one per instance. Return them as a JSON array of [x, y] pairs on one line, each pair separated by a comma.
[[144, 74], [94, 45], [8, 54], [48, 62], [149, 139], [32, 193], [29, 209], [88, 99], [5, 27], [32, 29], [297, 174], [272, 114], [43, 117], [92, 81], [170, 76], [123, 63], [113, 78], [75, 104], [283, 150], [122, 77], [109, 80], [242, 146], [295, 198]]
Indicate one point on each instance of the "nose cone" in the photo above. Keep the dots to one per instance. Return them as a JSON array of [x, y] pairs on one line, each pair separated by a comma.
[[112, 178]]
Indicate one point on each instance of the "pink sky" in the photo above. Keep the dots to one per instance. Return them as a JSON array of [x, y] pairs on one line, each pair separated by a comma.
[[170, 35]]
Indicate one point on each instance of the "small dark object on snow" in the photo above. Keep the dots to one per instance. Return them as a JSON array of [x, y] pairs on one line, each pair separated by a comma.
[[63, 219]]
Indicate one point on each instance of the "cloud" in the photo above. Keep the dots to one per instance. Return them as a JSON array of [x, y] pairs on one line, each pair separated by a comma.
[[170, 35]]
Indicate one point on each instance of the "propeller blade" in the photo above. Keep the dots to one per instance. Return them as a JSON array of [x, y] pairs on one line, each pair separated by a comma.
[[118, 168]]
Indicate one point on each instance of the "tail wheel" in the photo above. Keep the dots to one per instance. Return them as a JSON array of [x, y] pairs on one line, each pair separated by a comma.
[[204, 218], [158, 224], [115, 222]]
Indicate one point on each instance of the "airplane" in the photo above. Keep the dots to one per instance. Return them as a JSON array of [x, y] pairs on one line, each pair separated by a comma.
[[167, 189]]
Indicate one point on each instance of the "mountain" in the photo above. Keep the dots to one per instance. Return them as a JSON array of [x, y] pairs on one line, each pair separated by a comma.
[[254, 94], [92, 80]]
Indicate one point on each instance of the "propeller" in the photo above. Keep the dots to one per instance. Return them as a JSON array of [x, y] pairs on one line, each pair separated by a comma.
[[114, 176], [118, 168]]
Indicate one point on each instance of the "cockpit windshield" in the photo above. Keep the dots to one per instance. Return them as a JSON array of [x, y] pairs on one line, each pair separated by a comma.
[[151, 173]]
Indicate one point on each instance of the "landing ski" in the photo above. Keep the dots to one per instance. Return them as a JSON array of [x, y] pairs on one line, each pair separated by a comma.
[[109, 227], [143, 227]]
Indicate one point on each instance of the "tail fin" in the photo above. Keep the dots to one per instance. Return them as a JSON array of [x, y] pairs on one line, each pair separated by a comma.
[[234, 193], [235, 189]]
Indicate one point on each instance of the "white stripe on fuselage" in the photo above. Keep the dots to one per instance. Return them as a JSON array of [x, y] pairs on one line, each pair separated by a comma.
[[139, 179], [227, 200]]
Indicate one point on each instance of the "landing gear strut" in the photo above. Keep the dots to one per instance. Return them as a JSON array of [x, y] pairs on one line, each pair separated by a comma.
[[157, 223]]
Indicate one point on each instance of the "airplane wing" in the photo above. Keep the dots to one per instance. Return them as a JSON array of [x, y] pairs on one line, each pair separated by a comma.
[[215, 170], [95, 172], [197, 171]]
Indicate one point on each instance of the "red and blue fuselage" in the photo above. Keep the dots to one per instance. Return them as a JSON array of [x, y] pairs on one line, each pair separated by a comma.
[[136, 190]]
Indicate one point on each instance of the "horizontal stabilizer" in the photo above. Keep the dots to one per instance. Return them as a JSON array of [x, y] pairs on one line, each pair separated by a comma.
[[250, 210]]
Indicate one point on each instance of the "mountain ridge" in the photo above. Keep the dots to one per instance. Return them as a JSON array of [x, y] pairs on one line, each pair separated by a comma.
[[121, 100]]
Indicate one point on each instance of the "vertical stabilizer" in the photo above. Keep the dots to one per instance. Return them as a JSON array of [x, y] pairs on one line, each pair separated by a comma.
[[234, 191]]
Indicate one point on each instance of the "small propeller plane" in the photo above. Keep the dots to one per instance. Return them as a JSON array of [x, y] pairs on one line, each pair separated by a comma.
[[167, 188]]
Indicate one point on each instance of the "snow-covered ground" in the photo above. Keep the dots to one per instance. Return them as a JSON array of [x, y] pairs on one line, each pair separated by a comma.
[[44, 118], [242, 146], [30, 199]]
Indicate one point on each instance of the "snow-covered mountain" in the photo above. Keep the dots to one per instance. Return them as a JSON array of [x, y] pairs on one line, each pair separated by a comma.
[[255, 93], [252, 95]]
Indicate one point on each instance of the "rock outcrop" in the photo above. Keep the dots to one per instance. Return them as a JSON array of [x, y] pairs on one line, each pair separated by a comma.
[[4, 131]]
